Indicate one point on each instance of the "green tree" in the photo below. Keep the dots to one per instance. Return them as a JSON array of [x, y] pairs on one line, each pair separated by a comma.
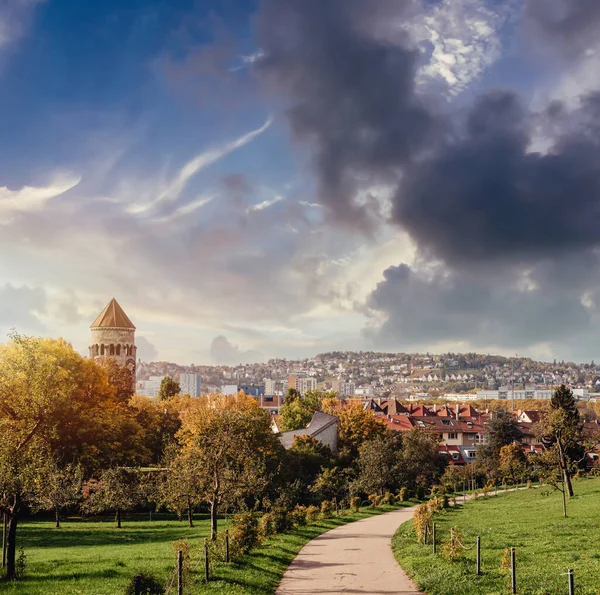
[[60, 488], [168, 388], [502, 430], [512, 462], [230, 441], [181, 490], [561, 428], [34, 387], [117, 490], [55, 405], [297, 413], [420, 464], [378, 464], [331, 484]]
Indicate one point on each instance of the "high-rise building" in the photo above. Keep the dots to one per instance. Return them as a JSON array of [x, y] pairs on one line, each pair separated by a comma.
[[150, 387], [113, 335], [190, 384], [302, 383], [275, 387]]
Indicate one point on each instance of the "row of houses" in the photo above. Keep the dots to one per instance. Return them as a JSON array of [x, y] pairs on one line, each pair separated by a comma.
[[461, 428]]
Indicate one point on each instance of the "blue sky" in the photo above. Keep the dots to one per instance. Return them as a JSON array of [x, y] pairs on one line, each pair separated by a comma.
[[229, 169]]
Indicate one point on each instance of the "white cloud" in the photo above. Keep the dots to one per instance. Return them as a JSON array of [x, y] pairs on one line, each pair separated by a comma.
[[192, 167], [461, 39], [30, 198]]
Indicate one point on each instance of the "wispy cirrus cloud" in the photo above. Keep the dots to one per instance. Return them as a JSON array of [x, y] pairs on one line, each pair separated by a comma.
[[201, 161]]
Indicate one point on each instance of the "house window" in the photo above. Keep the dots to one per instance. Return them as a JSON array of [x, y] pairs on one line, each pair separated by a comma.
[[471, 454], [269, 398], [470, 436], [446, 422], [421, 424], [455, 456], [452, 435]]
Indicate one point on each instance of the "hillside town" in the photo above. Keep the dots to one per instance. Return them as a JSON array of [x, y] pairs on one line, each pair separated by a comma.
[[449, 376]]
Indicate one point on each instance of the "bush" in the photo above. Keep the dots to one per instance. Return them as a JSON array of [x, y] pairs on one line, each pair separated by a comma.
[[452, 549], [435, 504], [274, 522], [375, 500], [421, 520], [402, 494], [389, 498], [297, 517], [327, 509], [312, 514], [243, 534], [355, 503], [216, 549], [149, 584]]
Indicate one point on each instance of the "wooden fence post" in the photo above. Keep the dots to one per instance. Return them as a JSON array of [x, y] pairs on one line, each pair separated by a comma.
[[179, 572], [434, 538], [226, 545], [138, 585], [513, 571], [571, 582], [478, 556]]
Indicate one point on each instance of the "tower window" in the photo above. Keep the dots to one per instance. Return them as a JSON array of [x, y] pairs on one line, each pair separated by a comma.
[[118, 350], [101, 349], [112, 349]]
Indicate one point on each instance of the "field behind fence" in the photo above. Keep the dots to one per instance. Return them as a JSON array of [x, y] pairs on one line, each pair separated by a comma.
[[523, 530]]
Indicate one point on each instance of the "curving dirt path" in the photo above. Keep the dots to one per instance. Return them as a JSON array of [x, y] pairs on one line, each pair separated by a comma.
[[353, 558]]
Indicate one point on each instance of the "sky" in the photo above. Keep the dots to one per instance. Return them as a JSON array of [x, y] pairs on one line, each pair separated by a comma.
[[279, 178]]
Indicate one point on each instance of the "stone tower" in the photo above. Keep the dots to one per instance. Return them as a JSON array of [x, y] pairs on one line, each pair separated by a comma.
[[113, 335]]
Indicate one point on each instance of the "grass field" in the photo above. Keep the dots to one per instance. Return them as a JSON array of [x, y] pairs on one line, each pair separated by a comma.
[[546, 544], [95, 558]]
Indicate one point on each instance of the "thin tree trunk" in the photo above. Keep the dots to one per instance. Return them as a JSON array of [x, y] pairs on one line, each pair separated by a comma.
[[11, 549], [564, 469], [57, 517], [190, 513], [118, 519], [213, 519], [4, 537]]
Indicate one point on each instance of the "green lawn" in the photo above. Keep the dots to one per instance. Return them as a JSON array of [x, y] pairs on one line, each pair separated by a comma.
[[95, 558], [546, 544]]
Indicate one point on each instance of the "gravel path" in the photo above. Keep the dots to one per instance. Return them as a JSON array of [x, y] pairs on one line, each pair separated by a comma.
[[353, 558]]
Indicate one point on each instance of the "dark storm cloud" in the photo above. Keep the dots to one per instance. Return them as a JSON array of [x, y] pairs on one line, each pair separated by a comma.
[[569, 26], [349, 95], [484, 196], [508, 308]]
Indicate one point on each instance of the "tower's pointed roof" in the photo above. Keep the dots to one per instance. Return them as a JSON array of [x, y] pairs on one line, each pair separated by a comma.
[[113, 316]]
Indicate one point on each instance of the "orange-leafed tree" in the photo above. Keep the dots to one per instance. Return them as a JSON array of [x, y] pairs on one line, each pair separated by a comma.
[[231, 447], [356, 425]]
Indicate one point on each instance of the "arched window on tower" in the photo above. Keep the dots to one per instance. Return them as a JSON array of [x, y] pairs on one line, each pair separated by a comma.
[[101, 349], [112, 349], [118, 350]]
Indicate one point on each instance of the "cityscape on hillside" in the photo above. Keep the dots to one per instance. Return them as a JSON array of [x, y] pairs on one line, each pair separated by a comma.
[[448, 376]]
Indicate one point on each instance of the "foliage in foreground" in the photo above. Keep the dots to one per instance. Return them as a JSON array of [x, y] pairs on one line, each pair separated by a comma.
[[547, 545]]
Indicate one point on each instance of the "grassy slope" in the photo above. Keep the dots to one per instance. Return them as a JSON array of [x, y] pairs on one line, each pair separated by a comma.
[[546, 544], [94, 558]]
